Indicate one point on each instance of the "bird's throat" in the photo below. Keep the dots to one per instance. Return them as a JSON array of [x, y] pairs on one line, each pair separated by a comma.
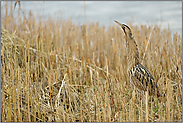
[[132, 53]]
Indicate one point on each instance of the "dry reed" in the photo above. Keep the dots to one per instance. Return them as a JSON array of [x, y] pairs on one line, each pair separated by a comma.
[[58, 72]]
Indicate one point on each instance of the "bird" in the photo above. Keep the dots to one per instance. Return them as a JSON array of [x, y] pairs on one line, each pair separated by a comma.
[[141, 78]]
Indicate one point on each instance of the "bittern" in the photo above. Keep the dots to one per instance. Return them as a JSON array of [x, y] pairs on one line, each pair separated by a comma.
[[140, 77]]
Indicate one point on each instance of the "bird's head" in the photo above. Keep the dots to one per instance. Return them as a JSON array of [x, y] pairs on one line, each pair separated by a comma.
[[126, 29]]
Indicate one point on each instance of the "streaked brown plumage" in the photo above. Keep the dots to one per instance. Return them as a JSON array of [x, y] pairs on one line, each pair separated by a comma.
[[140, 77]]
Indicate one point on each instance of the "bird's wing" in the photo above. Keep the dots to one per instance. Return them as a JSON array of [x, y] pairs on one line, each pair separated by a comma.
[[142, 78]]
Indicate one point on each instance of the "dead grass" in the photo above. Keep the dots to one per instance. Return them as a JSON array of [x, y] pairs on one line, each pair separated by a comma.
[[58, 72]]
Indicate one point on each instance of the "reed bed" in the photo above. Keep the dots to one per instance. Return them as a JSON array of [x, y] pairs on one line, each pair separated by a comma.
[[63, 72]]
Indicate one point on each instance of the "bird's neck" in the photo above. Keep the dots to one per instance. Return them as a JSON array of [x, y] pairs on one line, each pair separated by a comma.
[[132, 52]]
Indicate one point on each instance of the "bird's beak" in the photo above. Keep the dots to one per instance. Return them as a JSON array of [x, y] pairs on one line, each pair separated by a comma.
[[121, 25], [118, 23]]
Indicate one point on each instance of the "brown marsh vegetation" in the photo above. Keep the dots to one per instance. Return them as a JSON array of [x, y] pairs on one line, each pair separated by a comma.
[[64, 72]]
